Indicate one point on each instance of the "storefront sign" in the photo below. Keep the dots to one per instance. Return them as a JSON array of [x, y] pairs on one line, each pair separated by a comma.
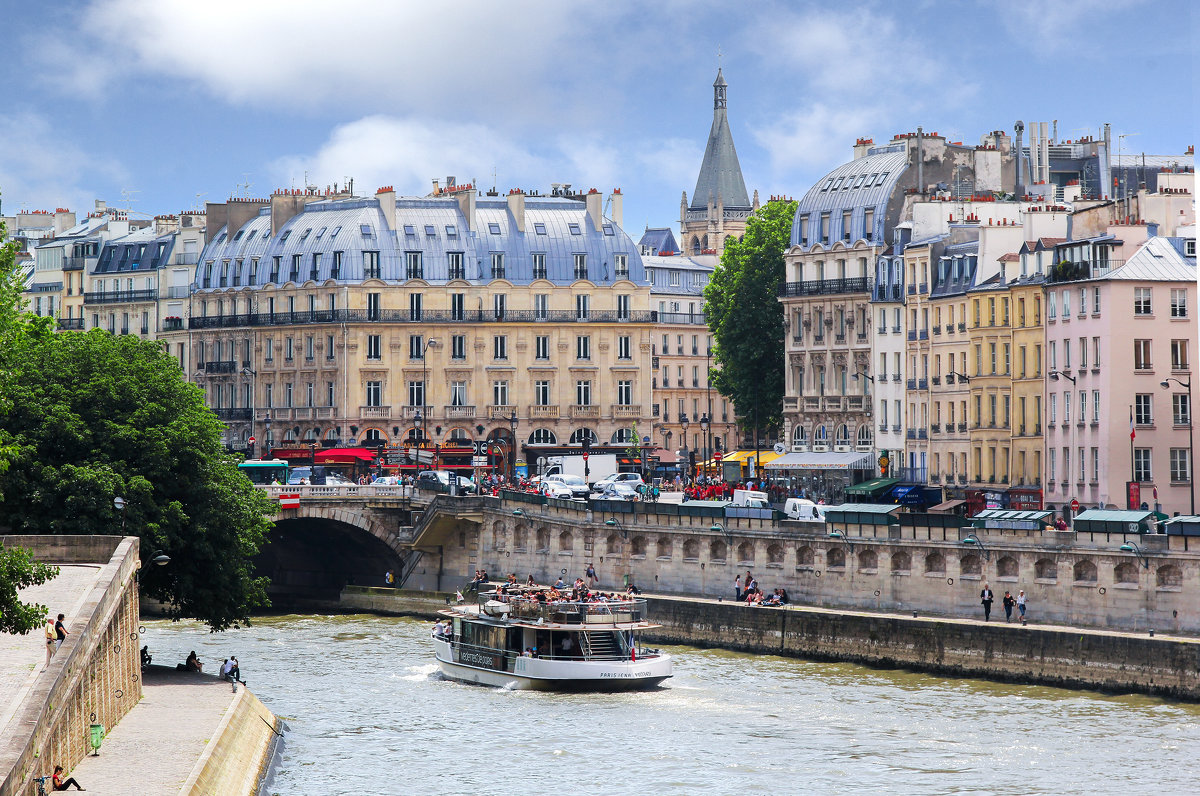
[[1133, 495]]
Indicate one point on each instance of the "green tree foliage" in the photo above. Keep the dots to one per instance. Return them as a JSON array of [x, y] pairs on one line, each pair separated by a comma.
[[741, 303], [18, 570], [90, 417]]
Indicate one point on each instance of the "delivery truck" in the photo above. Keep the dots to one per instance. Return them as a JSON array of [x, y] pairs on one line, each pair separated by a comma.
[[598, 466]]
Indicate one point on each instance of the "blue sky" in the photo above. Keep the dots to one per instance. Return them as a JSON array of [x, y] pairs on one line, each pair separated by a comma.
[[185, 102]]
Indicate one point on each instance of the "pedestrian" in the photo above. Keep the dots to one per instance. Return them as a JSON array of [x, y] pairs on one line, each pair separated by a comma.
[[60, 632], [593, 581], [986, 597], [1021, 603], [737, 589], [51, 637], [389, 578], [1008, 602]]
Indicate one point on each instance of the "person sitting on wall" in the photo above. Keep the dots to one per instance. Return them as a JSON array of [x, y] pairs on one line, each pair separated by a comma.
[[59, 783], [193, 664]]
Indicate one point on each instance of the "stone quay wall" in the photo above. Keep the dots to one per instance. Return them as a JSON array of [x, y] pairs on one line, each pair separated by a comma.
[[236, 761], [95, 678], [1053, 656], [1075, 579]]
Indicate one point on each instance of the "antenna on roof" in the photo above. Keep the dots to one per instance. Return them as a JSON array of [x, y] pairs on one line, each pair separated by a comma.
[[493, 176], [200, 204], [127, 195], [245, 186]]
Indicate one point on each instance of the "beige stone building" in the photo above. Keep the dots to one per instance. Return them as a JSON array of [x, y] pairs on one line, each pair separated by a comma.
[[447, 318]]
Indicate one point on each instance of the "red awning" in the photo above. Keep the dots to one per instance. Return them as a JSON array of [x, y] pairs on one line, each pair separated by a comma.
[[345, 455]]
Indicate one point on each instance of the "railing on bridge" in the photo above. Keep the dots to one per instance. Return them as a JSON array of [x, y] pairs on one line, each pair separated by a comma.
[[343, 490]]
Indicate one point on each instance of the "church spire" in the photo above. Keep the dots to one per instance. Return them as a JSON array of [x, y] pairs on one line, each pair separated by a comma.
[[720, 173]]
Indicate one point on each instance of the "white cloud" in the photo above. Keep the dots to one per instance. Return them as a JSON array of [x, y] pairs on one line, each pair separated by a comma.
[[40, 171], [815, 137]]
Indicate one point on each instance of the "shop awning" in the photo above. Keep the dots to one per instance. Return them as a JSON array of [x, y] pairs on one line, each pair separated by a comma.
[[763, 456], [667, 457], [1110, 521], [344, 455], [872, 487], [949, 505], [822, 461], [907, 494]]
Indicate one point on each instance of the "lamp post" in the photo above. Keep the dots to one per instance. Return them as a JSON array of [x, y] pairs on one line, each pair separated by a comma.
[[267, 434], [246, 371], [705, 424], [1132, 547], [119, 504], [841, 537], [1187, 385], [683, 424], [972, 539], [512, 454], [424, 383]]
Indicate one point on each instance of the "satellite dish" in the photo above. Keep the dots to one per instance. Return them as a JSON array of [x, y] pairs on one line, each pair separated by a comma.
[[780, 448]]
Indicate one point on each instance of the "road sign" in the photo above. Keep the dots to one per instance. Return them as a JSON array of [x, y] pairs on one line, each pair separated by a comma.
[[289, 501], [479, 461], [251, 440], [585, 456], [1074, 505], [717, 456], [480, 447]]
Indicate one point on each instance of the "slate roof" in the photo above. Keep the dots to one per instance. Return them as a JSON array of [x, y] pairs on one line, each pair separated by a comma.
[[1157, 260], [863, 183], [720, 173], [659, 239]]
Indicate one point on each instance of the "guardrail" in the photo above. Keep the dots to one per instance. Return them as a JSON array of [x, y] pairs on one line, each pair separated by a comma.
[[341, 490]]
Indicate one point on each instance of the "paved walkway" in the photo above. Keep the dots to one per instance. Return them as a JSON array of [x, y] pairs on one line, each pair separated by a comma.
[[153, 749], [24, 656]]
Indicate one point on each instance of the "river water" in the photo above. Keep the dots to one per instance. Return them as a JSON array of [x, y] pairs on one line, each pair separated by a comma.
[[368, 713]]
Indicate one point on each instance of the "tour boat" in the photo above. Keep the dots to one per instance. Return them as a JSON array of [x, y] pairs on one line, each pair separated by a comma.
[[521, 642]]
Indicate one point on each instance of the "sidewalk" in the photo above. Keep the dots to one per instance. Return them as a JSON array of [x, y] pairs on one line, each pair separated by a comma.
[[155, 747]]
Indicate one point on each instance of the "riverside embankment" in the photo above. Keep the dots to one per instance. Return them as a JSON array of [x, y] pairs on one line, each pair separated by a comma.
[[1056, 655]]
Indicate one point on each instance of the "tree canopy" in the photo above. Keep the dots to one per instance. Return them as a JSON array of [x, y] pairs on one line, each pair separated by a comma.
[[87, 417], [18, 570], [741, 303]]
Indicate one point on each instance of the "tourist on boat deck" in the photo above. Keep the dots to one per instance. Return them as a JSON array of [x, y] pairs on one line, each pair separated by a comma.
[[530, 581], [438, 630], [560, 583], [528, 653]]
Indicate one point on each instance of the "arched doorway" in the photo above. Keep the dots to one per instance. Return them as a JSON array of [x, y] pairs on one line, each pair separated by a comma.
[[502, 452]]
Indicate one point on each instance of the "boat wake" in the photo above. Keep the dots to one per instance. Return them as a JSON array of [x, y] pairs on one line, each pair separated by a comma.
[[419, 673]]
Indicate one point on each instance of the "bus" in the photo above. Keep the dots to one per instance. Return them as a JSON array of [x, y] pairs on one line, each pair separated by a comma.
[[262, 472]]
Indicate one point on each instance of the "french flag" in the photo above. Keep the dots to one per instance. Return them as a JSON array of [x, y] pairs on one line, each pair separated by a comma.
[[1132, 433]]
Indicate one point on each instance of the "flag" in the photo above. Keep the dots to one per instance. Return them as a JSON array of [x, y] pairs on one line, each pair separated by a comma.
[[1132, 433]]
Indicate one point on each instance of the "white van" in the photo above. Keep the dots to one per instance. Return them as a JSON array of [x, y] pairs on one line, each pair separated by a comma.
[[803, 510], [750, 499]]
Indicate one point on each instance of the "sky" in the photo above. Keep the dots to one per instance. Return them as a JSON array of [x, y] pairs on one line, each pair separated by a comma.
[[159, 106]]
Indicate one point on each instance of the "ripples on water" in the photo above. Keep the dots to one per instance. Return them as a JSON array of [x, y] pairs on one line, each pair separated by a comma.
[[368, 713]]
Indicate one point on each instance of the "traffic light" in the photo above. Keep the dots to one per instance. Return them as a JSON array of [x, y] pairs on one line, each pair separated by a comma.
[[587, 444]]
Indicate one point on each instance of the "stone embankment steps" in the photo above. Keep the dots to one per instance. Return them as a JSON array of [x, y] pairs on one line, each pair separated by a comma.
[[1054, 655]]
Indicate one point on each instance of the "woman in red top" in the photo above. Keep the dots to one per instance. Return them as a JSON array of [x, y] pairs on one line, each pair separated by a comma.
[[59, 784]]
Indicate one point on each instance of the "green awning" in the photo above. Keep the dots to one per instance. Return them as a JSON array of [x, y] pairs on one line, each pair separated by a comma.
[[872, 487]]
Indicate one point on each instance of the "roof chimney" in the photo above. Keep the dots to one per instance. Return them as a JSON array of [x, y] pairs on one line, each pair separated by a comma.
[[466, 206], [516, 208], [595, 208], [616, 209], [387, 205]]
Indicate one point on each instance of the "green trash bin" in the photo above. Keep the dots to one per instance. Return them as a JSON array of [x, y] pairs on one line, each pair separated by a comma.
[[96, 736]]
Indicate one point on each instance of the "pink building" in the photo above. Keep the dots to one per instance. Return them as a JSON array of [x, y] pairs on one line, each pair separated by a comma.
[[1115, 332]]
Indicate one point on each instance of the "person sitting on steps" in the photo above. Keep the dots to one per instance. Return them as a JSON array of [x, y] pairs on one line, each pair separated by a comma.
[[60, 784]]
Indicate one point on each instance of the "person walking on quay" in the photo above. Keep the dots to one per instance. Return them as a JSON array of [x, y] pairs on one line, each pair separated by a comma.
[[986, 597], [737, 589], [1021, 603], [593, 581], [51, 637], [1008, 602]]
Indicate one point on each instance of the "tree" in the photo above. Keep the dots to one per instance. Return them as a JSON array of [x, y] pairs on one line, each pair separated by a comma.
[[741, 303], [18, 570], [92, 416]]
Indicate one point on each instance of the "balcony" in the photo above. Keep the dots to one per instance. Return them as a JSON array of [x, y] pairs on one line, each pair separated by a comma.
[[77, 263], [883, 427], [120, 296], [812, 403], [962, 479], [825, 287], [888, 293], [218, 367], [172, 324], [935, 428], [186, 258], [923, 334], [895, 330], [922, 384], [962, 327], [833, 404], [626, 411], [856, 403], [229, 415], [839, 339], [912, 334], [585, 411], [881, 330], [543, 412], [922, 434], [818, 339], [937, 329], [178, 291], [961, 427], [404, 316], [896, 429], [790, 402], [325, 412], [688, 318], [501, 412], [937, 381], [458, 412], [897, 378], [910, 433], [377, 412], [70, 324], [302, 413], [912, 384]]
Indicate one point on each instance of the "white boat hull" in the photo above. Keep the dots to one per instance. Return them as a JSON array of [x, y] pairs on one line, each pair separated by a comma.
[[541, 674]]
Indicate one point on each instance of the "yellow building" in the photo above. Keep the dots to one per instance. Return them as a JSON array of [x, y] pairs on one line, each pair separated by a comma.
[[1028, 335], [990, 328]]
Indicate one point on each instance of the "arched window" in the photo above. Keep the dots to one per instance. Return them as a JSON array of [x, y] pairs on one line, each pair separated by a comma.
[[1169, 578], [935, 564], [705, 246], [639, 546], [459, 436], [580, 434], [520, 537], [691, 550], [843, 435], [745, 553], [835, 558], [310, 435], [1006, 568], [775, 555], [566, 542], [622, 436], [821, 436], [804, 557], [695, 245], [868, 561], [331, 435], [372, 438], [1045, 569], [542, 436], [289, 435], [970, 566], [1085, 571], [498, 536], [1126, 574], [413, 436], [663, 547], [865, 438], [717, 551], [612, 544], [543, 540], [800, 435], [901, 562]]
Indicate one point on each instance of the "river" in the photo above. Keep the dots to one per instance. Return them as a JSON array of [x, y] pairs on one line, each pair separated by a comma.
[[368, 713]]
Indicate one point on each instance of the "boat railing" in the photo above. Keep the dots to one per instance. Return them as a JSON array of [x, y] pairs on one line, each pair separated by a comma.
[[571, 612]]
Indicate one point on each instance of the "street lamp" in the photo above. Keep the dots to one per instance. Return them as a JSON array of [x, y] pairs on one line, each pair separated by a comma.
[[267, 433], [246, 371], [1187, 385], [717, 527], [683, 424], [975, 540], [705, 424], [1054, 374], [119, 505], [613, 522], [841, 537], [1132, 547], [512, 455], [424, 382]]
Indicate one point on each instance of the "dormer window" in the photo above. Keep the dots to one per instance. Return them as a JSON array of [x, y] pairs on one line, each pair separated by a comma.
[[539, 228], [451, 231], [574, 229], [431, 230], [320, 232], [410, 230], [494, 228], [608, 229], [366, 230]]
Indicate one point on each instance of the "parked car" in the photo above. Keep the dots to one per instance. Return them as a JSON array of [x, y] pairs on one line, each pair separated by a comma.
[[617, 490], [576, 486]]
